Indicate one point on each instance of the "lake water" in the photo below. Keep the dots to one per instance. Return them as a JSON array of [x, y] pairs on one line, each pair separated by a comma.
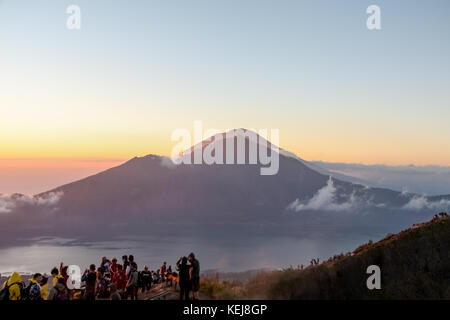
[[230, 255]]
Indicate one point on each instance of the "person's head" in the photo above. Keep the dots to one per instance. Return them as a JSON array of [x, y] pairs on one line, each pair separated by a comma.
[[64, 270], [145, 268], [164, 263], [44, 280], [124, 258], [130, 258], [119, 267], [37, 277], [61, 280], [184, 261], [92, 268], [191, 256], [99, 273], [54, 272], [114, 260], [103, 260], [134, 266]]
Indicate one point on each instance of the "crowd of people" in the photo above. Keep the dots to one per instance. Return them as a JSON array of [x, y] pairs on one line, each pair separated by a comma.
[[109, 280]]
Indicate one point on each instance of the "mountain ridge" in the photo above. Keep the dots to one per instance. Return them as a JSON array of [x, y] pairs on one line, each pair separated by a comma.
[[151, 194]]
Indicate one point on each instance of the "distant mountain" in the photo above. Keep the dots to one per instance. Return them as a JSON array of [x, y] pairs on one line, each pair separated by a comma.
[[151, 194], [429, 180]]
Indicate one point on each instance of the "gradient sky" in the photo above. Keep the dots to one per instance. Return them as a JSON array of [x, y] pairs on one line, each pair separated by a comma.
[[137, 70]]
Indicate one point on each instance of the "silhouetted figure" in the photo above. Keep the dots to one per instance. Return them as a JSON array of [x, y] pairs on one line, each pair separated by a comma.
[[194, 275], [183, 269]]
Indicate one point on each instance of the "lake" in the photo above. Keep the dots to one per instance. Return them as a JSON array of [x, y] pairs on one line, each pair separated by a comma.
[[225, 255]]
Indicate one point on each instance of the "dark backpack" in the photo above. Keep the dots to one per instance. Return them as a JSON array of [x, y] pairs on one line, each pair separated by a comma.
[[62, 294], [32, 292], [4, 293]]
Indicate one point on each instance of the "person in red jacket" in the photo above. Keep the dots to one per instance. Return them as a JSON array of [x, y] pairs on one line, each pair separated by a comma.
[[120, 279]]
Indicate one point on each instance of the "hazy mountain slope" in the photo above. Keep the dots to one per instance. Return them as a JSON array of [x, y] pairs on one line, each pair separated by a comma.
[[151, 194], [414, 265], [428, 180]]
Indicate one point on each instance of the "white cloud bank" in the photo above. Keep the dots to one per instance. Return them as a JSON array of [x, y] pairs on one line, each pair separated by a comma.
[[421, 202], [325, 199], [10, 202]]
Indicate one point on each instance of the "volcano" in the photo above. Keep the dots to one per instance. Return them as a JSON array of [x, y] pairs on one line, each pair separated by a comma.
[[151, 194]]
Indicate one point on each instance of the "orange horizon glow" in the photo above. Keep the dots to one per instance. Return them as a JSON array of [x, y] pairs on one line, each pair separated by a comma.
[[33, 175]]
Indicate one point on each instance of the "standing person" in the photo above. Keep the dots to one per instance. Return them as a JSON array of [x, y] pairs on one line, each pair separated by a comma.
[[33, 291], [12, 288], [63, 271], [90, 278], [183, 270], [132, 284], [131, 259], [158, 276], [44, 288], [162, 271], [194, 275], [146, 277], [169, 276], [120, 280], [59, 291], [55, 275], [101, 288], [126, 265], [113, 267], [105, 264]]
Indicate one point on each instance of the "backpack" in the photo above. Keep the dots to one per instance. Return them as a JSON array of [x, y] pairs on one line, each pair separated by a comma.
[[4, 293], [32, 292], [62, 295]]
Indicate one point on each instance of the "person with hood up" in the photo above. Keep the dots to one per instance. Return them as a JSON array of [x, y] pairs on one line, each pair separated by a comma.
[[14, 285]]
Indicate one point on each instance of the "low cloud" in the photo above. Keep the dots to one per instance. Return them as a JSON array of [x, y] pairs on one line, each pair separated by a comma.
[[8, 203], [421, 202], [168, 162], [325, 199]]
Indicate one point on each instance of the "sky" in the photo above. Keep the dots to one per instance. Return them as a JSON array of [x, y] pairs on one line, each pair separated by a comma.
[[73, 102]]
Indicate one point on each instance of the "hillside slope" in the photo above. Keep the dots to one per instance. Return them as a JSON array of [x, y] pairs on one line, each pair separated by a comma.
[[414, 264]]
